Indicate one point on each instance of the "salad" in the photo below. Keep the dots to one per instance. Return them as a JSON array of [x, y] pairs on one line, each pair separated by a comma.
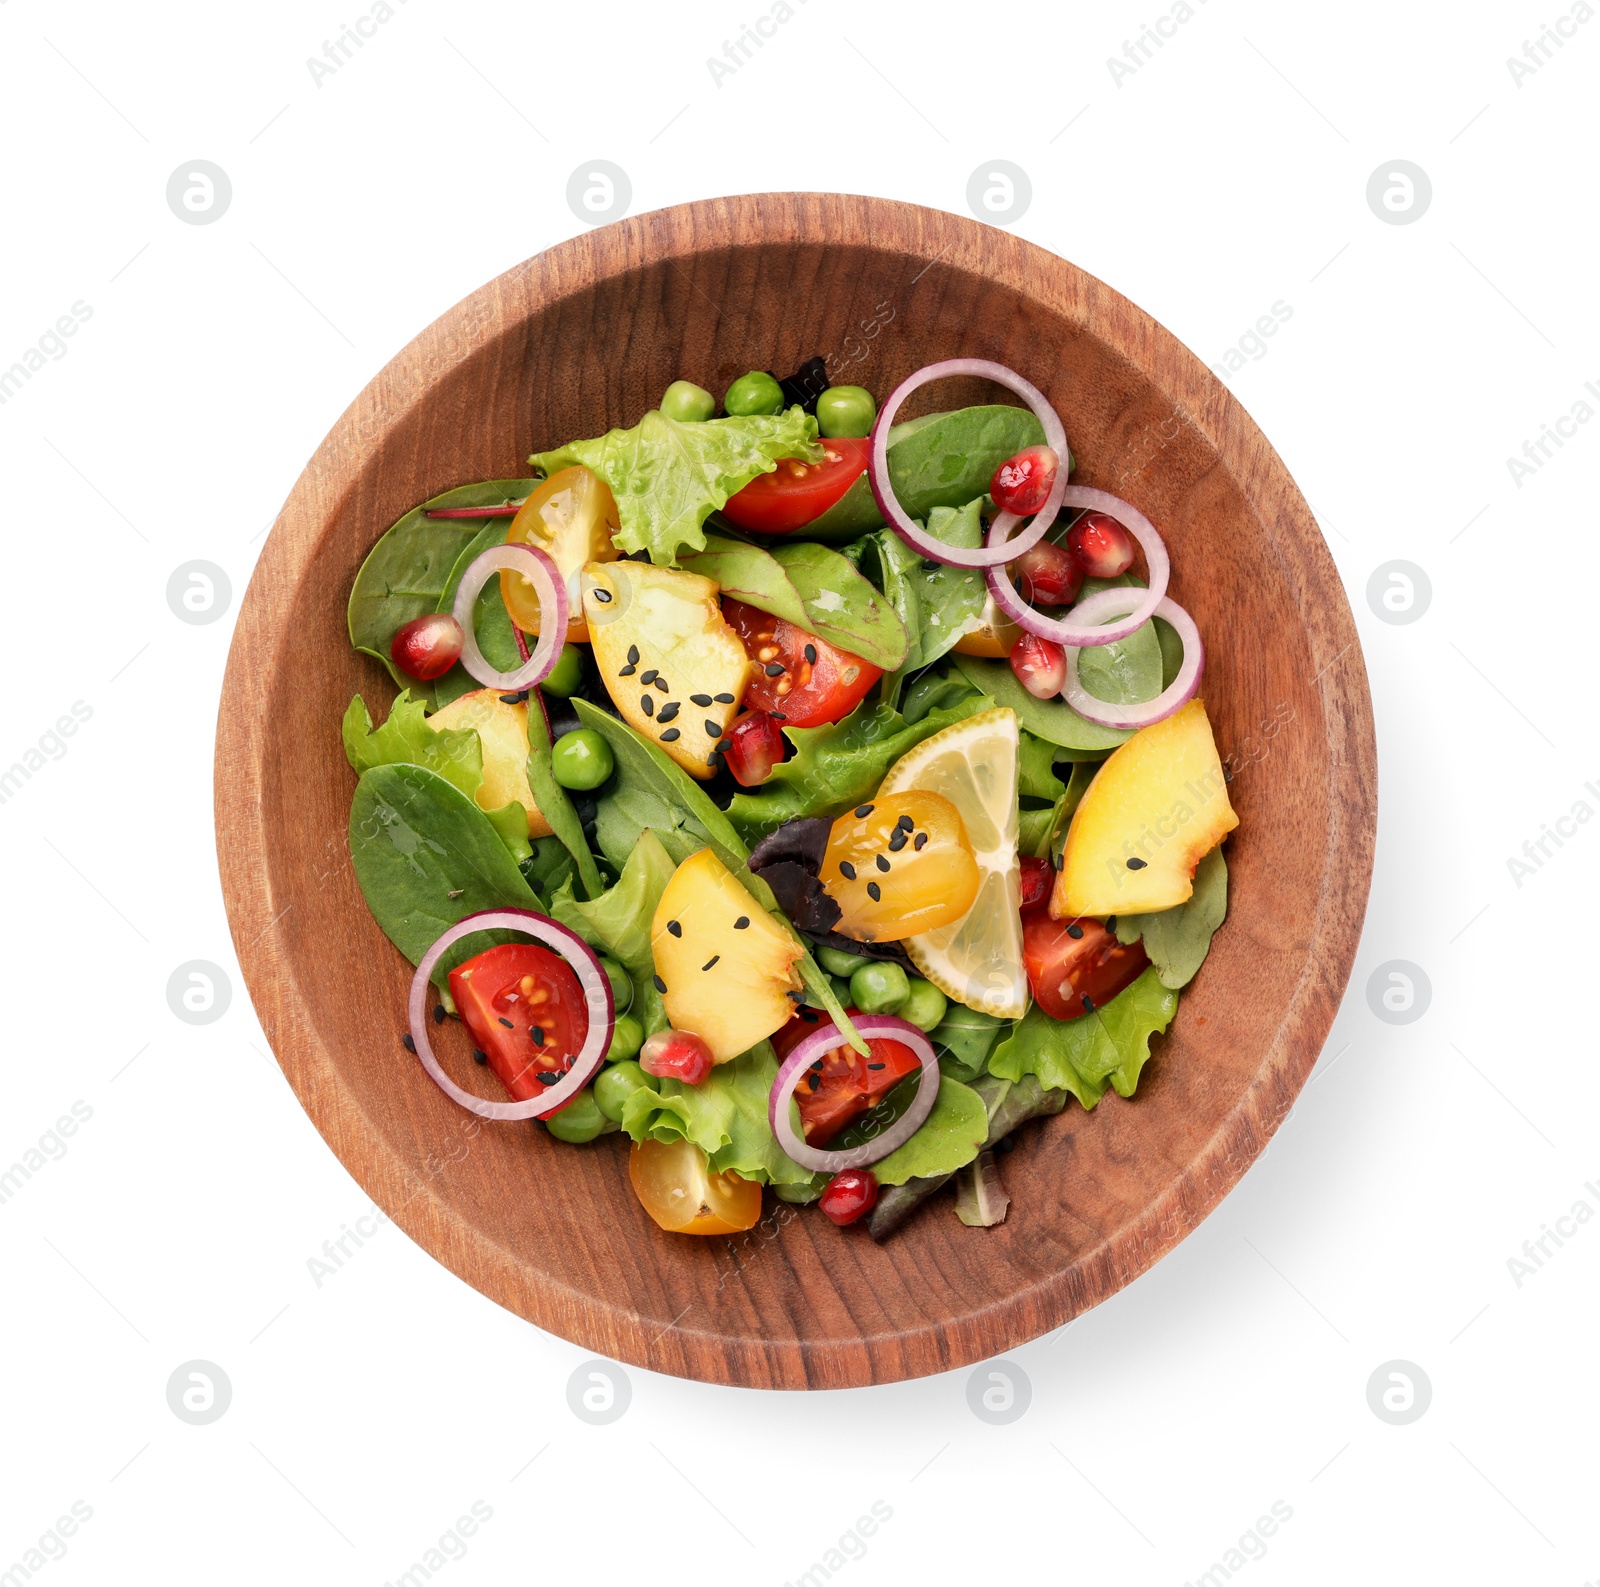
[[811, 797]]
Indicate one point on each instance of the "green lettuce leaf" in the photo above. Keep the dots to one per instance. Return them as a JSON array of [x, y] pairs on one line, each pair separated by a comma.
[[1086, 1055], [456, 754], [1179, 939], [667, 476], [618, 922], [1036, 773], [837, 766], [725, 1116], [949, 1138]]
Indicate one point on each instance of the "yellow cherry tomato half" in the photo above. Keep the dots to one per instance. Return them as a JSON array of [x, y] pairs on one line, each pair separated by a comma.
[[573, 517], [675, 1185]]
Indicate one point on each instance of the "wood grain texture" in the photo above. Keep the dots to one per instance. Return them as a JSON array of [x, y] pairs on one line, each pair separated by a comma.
[[587, 336]]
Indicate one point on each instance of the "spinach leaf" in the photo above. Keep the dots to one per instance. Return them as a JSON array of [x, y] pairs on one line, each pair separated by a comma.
[[949, 1138], [549, 867], [456, 754], [426, 856], [647, 783], [619, 920], [935, 691], [1129, 671], [965, 1037], [1036, 775], [812, 587], [1179, 939], [839, 765], [948, 459], [667, 476], [556, 804], [1052, 720], [1086, 1055], [854, 513], [409, 572]]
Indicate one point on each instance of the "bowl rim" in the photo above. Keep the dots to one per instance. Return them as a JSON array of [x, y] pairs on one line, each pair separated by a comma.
[[244, 729]]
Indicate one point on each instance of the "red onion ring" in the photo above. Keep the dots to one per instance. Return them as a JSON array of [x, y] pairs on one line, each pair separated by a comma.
[[537, 567], [596, 990], [823, 1039], [895, 515], [1178, 693], [1071, 629]]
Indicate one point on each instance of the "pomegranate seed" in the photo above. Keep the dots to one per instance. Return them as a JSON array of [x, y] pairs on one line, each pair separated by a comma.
[[427, 647], [1040, 666], [755, 746], [849, 1194], [1104, 549], [1022, 483], [1038, 877], [676, 1055], [1049, 575]]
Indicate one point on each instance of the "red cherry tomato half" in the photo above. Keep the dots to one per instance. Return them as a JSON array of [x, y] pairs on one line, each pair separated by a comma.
[[795, 493], [1075, 966], [755, 746], [1038, 877], [801, 680], [1040, 666], [849, 1195], [427, 647], [1048, 575], [676, 1055], [1022, 483], [526, 1012], [1103, 548], [846, 1084]]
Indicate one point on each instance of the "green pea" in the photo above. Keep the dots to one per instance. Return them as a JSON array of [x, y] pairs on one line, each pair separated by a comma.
[[846, 411], [615, 1085], [755, 393], [579, 1121], [879, 987], [837, 962], [581, 759], [924, 1006], [567, 673], [621, 985], [687, 402]]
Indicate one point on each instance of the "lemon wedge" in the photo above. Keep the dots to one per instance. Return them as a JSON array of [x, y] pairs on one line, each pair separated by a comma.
[[976, 960]]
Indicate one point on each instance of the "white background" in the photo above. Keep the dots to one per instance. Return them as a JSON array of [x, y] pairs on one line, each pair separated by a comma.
[[1227, 173]]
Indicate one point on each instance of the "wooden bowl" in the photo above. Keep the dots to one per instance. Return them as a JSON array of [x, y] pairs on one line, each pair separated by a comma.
[[587, 336]]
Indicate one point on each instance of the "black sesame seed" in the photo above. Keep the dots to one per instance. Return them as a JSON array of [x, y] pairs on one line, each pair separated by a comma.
[[671, 736], [817, 1065], [709, 962], [407, 1043], [1111, 923], [537, 1032], [880, 862], [675, 928], [877, 1066], [811, 654], [507, 1023], [1088, 1004], [712, 728], [603, 596], [922, 838], [799, 997], [1136, 864], [479, 1056], [874, 892], [724, 699], [711, 759], [511, 699], [774, 669], [647, 704], [930, 566], [723, 745], [667, 712], [847, 870], [702, 700], [863, 811], [650, 676], [548, 1077], [897, 841], [813, 1081], [661, 684], [777, 716], [661, 985], [633, 655], [742, 923], [438, 1013], [1075, 931], [627, 672], [905, 823]]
